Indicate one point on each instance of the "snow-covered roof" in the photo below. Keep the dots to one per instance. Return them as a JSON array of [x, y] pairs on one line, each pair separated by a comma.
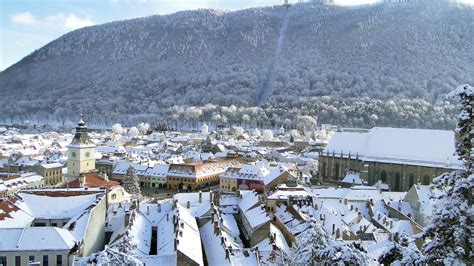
[[158, 170], [35, 238], [249, 199], [25, 206], [51, 165], [398, 145], [197, 209], [352, 177]]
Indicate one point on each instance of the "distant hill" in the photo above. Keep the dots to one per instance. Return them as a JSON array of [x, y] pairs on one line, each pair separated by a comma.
[[274, 56]]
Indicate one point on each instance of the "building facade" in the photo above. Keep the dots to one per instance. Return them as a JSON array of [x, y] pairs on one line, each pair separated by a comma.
[[52, 173], [194, 176], [397, 157]]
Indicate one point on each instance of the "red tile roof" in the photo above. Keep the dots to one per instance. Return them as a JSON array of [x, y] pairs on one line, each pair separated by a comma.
[[93, 180]]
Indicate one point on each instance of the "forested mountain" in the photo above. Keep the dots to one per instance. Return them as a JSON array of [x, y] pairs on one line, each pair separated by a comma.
[[383, 64]]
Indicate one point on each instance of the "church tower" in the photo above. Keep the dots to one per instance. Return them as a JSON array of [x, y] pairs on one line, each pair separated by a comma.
[[80, 155]]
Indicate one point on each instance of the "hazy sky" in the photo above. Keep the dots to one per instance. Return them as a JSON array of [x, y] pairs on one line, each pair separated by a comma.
[[26, 25]]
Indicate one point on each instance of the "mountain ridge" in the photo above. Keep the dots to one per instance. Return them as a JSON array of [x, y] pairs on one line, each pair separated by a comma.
[[191, 58]]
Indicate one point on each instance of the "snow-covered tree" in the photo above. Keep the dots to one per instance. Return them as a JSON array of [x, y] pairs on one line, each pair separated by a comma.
[[403, 251], [134, 132], [294, 134], [117, 129], [267, 134], [314, 246], [256, 133], [448, 237], [239, 131], [204, 129], [143, 128], [246, 119], [131, 183], [337, 252]]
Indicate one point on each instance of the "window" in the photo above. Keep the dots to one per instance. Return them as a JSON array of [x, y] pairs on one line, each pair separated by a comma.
[[3, 261], [54, 224], [426, 180], [398, 181], [114, 196], [59, 260], [45, 260], [31, 258], [383, 176], [17, 261]]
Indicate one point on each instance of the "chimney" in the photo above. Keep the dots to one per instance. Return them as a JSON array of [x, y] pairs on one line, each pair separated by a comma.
[[106, 177], [148, 209], [333, 228], [216, 228], [188, 204], [167, 217], [226, 254], [391, 224], [159, 207], [82, 181], [174, 204], [200, 196], [379, 216], [126, 218], [345, 201]]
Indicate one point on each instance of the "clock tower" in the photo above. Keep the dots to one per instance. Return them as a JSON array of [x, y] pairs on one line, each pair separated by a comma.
[[80, 154]]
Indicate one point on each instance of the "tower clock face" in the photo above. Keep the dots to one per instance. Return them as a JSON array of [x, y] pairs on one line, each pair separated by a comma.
[[73, 154], [88, 154]]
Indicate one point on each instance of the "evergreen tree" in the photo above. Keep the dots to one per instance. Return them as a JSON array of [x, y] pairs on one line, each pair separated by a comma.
[[403, 251], [131, 183], [316, 247], [449, 234]]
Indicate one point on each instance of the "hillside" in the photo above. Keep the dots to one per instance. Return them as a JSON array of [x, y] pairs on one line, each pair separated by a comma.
[[380, 62]]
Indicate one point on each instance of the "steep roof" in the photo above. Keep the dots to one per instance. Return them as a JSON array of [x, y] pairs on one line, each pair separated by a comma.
[[399, 145]]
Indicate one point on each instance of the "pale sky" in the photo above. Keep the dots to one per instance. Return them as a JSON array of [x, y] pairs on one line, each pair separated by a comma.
[[26, 25]]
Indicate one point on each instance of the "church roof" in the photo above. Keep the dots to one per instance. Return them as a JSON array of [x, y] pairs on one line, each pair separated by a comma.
[[398, 145]]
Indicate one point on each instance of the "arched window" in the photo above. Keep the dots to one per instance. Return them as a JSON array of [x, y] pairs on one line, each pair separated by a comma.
[[397, 182], [426, 180], [383, 176], [323, 170], [336, 171]]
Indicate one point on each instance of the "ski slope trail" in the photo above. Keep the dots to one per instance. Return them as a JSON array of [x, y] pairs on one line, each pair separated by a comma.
[[266, 89]]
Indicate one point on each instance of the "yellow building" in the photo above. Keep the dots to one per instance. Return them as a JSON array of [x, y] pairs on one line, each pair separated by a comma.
[[194, 176], [52, 173], [228, 183]]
